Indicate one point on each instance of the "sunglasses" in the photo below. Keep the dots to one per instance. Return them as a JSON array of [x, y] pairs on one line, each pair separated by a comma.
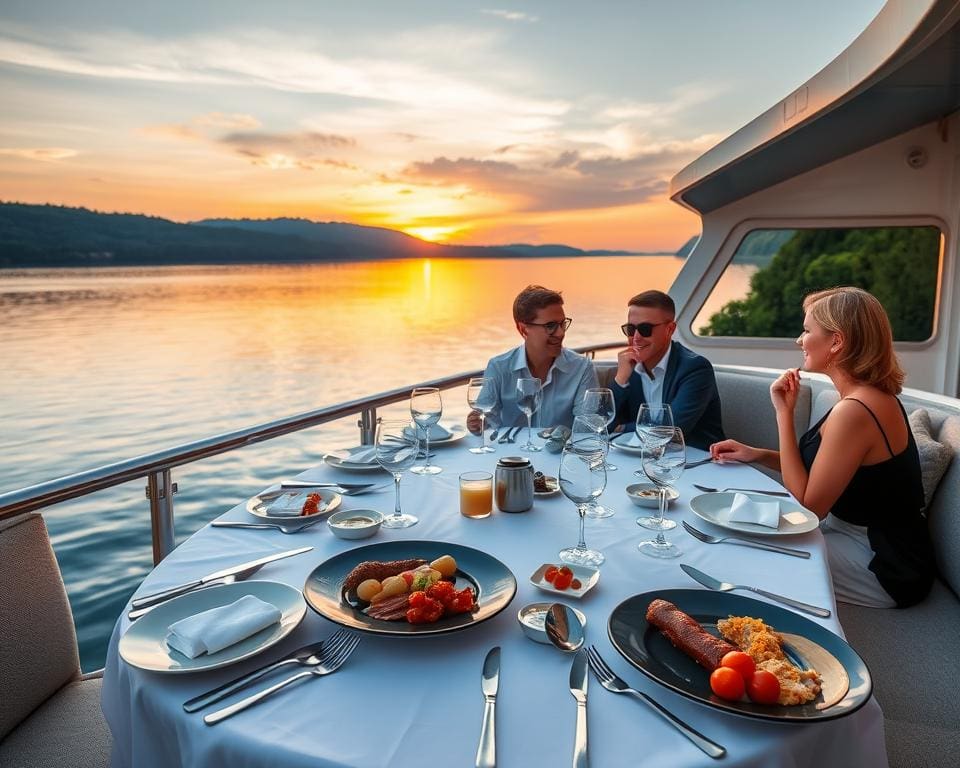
[[553, 326], [644, 329]]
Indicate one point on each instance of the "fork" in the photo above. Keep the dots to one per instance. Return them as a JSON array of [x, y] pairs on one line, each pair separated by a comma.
[[266, 526], [308, 656], [708, 489], [609, 680], [708, 539], [330, 661], [512, 434]]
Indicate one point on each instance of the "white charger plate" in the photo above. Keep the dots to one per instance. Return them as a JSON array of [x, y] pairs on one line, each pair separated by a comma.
[[794, 519], [457, 433], [625, 442], [143, 645], [260, 505]]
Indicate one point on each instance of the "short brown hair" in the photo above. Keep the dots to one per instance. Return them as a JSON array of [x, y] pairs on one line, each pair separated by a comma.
[[867, 353], [654, 300], [531, 300]]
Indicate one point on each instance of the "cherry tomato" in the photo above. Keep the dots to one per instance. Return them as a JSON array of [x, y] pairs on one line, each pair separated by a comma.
[[576, 584], [763, 688], [740, 661], [563, 580], [423, 609], [727, 683], [565, 570], [551, 573]]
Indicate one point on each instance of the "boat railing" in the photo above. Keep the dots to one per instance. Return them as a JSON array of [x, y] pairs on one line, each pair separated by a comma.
[[158, 467]]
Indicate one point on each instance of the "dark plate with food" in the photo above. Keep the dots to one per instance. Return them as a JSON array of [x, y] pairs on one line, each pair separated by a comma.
[[449, 587], [634, 628]]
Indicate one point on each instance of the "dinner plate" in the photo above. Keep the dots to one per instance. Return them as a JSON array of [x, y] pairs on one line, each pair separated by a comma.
[[845, 675], [793, 518], [337, 462], [625, 442], [457, 433], [264, 503], [553, 488], [143, 645], [492, 582]]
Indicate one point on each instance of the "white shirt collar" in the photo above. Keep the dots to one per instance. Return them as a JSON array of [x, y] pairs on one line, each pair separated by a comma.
[[660, 369]]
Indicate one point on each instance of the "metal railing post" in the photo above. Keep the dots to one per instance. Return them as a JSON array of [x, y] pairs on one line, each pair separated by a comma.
[[368, 426], [160, 491]]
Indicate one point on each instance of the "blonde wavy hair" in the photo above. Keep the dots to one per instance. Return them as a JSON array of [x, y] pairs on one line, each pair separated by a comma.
[[867, 353]]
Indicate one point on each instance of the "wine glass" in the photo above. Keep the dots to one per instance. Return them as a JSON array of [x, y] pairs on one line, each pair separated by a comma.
[[654, 426], [591, 426], [396, 452], [663, 464], [426, 407], [529, 392], [599, 401], [480, 398], [582, 479]]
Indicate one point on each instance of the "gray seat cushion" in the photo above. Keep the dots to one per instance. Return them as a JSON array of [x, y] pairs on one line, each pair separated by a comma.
[[912, 655], [67, 731], [748, 415], [935, 457]]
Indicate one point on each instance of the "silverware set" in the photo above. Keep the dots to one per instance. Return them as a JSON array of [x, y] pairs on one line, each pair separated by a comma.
[[509, 435], [708, 489]]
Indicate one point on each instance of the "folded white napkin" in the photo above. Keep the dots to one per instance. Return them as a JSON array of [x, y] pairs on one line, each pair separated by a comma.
[[289, 504], [362, 454], [219, 628], [437, 432], [746, 510]]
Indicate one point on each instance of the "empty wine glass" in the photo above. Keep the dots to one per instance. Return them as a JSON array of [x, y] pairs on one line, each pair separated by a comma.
[[480, 398], [582, 479], [592, 426], [663, 464], [529, 392], [654, 426], [426, 407], [599, 401], [397, 452]]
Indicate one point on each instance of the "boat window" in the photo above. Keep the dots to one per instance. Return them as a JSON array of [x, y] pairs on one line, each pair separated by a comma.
[[761, 291]]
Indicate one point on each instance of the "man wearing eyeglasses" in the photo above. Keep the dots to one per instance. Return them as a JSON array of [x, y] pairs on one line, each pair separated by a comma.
[[564, 375], [655, 369]]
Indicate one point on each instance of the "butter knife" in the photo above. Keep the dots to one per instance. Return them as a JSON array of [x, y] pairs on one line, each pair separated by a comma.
[[490, 683], [723, 586], [578, 687]]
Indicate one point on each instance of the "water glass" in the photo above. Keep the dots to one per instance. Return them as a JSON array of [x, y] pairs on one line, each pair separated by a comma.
[[480, 398], [599, 401], [396, 452], [654, 424], [476, 494], [582, 479], [663, 465], [426, 407], [529, 393], [593, 426]]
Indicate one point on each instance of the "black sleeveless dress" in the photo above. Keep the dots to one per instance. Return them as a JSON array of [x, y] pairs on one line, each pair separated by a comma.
[[887, 498]]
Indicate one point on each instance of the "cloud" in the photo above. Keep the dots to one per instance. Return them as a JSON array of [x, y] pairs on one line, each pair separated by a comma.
[[279, 151], [172, 131], [43, 154], [221, 120], [511, 15]]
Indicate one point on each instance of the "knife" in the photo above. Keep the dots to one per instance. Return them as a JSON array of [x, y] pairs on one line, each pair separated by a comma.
[[242, 571], [578, 687], [723, 586], [487, 751]]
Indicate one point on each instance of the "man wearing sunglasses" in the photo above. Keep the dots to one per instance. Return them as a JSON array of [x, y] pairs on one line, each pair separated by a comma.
[[564, 375], [655, 369]]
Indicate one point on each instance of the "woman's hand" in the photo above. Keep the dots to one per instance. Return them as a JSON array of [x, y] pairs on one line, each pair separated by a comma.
[[785, 390], [733, 450]]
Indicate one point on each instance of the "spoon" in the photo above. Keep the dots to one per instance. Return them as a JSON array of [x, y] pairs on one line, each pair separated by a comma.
[[563, 627]]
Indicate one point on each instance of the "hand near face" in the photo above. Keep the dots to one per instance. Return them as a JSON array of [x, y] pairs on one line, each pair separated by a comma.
[[627, 360], [473, 422], [785, 390]]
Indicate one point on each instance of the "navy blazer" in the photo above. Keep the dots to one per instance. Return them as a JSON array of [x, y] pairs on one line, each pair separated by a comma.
[[689, 387]]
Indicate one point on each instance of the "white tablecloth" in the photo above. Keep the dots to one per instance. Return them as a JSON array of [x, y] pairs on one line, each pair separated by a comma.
[[416, 702]]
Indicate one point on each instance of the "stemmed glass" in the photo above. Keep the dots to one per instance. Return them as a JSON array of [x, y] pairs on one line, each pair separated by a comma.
[[396, 452], [663, 464], [582, 479], [654, 426], [529, 392], [480, 398], [599, 401], [426, 407], [591, 426]]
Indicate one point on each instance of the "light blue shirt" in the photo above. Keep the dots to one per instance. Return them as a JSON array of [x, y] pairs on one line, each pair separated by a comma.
[[568, 378]]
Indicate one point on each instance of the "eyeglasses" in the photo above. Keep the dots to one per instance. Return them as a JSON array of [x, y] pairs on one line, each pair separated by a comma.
[[553, 326], [644, 329]]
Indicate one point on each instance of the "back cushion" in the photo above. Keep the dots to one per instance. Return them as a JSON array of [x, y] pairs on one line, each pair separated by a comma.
[[943, 511], [38, 653], [748, 414]]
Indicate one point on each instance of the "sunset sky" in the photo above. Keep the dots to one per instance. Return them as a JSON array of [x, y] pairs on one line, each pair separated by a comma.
[[543, 121]]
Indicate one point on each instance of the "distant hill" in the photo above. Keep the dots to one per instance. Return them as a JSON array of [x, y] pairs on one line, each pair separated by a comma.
[[59, 236]]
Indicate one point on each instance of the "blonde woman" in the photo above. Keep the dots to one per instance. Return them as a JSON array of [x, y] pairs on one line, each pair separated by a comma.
[[858, 468]]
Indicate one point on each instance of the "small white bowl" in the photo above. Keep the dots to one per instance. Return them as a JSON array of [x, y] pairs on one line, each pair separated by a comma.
[[647, 495], [355, 523], [532, 619]]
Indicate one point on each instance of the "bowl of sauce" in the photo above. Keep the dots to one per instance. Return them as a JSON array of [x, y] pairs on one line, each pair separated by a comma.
[[355, 523]]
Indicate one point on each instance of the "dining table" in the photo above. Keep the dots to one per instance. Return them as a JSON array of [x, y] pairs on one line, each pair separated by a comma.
[[417, 700]]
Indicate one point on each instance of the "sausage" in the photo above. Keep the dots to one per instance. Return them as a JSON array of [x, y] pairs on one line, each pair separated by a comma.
[[687, 634], [376, 569]]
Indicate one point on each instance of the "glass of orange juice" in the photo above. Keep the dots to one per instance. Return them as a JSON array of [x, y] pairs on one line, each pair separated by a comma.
[[476, 494]]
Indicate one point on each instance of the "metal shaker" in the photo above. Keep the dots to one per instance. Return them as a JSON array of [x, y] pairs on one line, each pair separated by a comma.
[[514, 484]]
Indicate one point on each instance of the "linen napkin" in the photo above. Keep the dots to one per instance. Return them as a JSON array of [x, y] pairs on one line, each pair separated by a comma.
[[437, 432], [290, 504], [219, 628], [362, 454], [746, 510]]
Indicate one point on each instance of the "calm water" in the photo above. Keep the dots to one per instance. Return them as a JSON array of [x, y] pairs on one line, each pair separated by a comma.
[[106, 364]]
